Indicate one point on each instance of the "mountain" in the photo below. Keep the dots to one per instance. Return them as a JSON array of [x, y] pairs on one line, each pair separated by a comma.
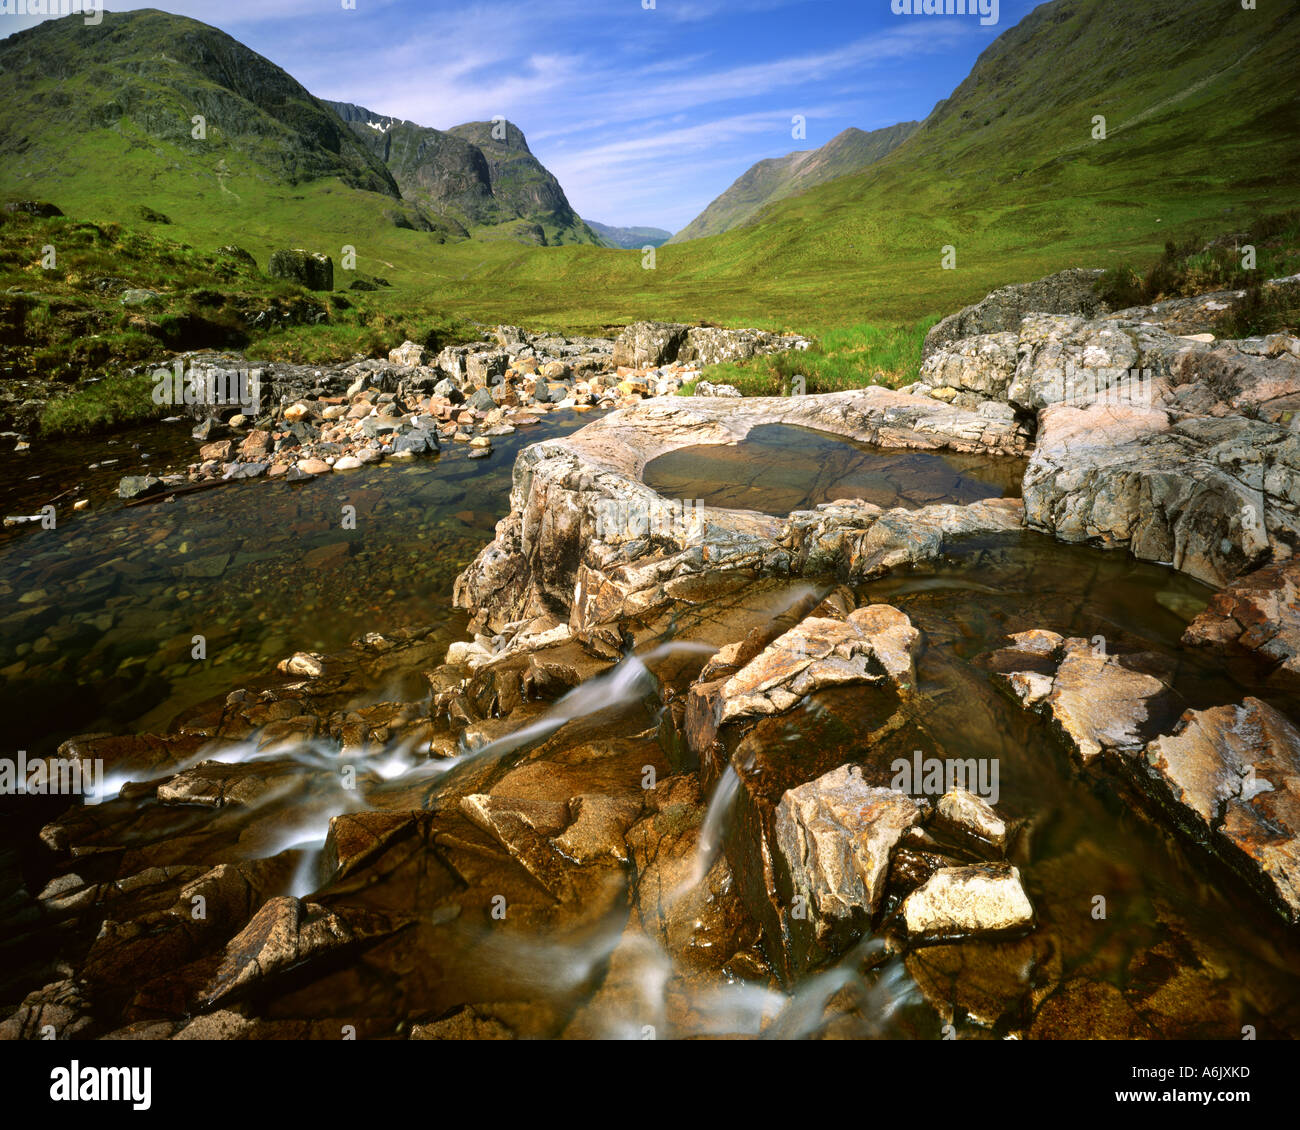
[[156, 111], [1202, 139], [467, 180], [779, 177], [94, 111], [629, 238]]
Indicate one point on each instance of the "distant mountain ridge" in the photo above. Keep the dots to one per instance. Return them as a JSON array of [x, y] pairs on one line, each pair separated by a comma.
[[775, 178], [466, 178], [628, 238]]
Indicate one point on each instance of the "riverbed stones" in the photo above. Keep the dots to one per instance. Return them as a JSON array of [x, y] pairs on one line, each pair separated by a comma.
[[960, 902], [140, 486], [285, 933], [970, 819]]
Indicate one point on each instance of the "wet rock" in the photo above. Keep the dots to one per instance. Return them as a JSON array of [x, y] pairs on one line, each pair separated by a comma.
[[140, 486], [220, 451], [1097, 701], [995, 984], [836, 835], [285, 933], [1231, 775], [308, 663], [57, 1011], [685, 905], [966, 901], [415, 443], [1085, 1009], [598, 826], [970, 819], [1257, 613], [876, 644], [524, 827]]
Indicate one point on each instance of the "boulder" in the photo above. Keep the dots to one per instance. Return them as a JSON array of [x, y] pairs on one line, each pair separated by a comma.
[[1068, 292], [310, 269], [647, 344], [139, 486], [1096, 701], [961, 902], [409, 353], [836, 836]]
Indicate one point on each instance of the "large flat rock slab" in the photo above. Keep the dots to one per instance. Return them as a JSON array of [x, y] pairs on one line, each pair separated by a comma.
[[587, 540]]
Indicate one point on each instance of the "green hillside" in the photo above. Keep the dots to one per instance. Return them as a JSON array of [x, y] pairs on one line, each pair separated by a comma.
[[1203, 136], [778, 177]]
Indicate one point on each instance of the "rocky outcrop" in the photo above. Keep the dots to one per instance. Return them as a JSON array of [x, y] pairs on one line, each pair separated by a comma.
[[586, 537], [1181, 449], [1227, 776], [1069, 292], [659, 343], [1212, 496], [1097, 702], [307, 268]]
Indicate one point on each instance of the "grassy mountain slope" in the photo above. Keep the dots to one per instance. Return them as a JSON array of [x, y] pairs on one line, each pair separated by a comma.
[[1204, 135], [89, 106], [778, 177]]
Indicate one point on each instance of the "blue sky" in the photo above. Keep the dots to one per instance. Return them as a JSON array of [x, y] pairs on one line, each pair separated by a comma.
[[644, 115]]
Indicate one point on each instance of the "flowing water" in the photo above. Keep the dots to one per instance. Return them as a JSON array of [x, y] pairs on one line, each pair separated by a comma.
[[265, 569], [100, 613]]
